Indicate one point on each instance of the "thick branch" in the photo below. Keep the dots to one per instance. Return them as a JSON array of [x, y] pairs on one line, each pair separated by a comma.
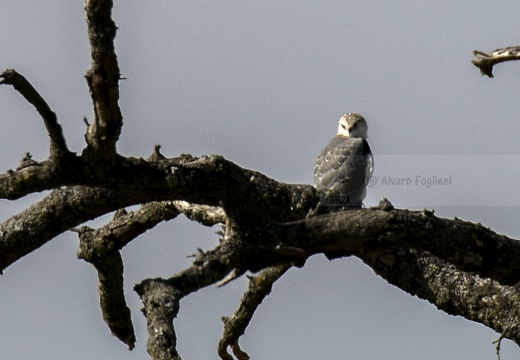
[[20, 83], [257, 208], [127, 226], [116, 312], [103, 78], [161, 306], [123, 173], [101, 248], [58, 212], [247, 196], [122, 229], [470, 247], [161, 297], [454, 291], [485, 62], [32, 176], [210, 180]]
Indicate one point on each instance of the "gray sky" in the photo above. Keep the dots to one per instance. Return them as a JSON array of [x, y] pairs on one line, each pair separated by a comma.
[[264, 84]]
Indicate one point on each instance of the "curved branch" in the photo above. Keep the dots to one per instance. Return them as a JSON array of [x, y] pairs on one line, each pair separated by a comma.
[[485, 62], [114, 309], [463, 268], [454, 291], [210, 180], [24, 87], [101, 249], [116, 312], [58, 212], [259, 287], [122, 229], [96, 244], [32, 176], [468, 246], [254, 205]]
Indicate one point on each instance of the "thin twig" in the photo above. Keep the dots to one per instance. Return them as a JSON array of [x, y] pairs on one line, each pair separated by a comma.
[[234, 327], [500, 338]]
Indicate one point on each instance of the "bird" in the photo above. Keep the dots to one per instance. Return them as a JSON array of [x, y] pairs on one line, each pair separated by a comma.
[[344, 167]]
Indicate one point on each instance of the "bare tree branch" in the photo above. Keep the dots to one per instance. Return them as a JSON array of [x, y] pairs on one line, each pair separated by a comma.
[[499, 342], [123, 228], [115, 311], [462, 268], [161, 306], [485, 62], [101, 248], [111, 294], [203, 214], [24, 87], [212, 181], [454, 291], [259, 287], [103, 78], [161, 297], [470, 247], [58, 212], [32, 176], [127, 226]]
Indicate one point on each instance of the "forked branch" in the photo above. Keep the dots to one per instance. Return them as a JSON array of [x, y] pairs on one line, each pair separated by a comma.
[[234, 327], [460, 267], [101, 248], [161, 297]]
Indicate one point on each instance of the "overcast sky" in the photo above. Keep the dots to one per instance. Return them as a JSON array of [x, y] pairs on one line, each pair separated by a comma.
[[264, 83]]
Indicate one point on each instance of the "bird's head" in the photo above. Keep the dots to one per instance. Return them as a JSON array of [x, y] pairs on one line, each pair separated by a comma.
[[353, 125]]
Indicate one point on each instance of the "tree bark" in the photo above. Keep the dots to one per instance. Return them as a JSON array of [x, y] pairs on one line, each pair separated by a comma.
[[486, 61], [462, 268]]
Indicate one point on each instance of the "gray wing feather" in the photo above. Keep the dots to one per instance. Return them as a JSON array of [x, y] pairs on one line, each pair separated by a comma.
[[344, 168]]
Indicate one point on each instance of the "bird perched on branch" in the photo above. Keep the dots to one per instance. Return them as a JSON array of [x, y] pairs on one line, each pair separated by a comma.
[[343, 169]]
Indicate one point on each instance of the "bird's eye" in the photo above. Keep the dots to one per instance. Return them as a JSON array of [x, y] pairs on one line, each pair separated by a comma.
[[343, 126]]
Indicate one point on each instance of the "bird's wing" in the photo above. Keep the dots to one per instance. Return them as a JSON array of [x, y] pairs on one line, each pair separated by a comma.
[[369, 163], [343, 165]]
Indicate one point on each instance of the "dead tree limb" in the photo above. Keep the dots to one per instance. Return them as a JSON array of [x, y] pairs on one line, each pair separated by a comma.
[[450, 289], [470, 247], [24, 87], [103, 78], [259, 287], [486, 61], [462, 268], [101, 248]]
